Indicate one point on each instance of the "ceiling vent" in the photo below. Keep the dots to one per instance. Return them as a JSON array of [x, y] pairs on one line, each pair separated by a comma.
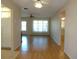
[[25, 8]]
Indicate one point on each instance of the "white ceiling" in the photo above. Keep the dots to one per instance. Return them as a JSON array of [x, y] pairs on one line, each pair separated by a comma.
[[46, 11]]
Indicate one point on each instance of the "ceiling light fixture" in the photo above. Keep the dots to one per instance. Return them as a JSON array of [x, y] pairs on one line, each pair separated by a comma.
[[63, 18], [38, 4]]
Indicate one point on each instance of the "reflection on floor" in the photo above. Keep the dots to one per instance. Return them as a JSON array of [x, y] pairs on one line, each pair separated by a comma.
[[39, 43], [24, 47], [40, 47]]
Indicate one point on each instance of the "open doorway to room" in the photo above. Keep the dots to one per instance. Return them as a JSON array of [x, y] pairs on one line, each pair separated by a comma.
[[35, 26], [62, 16]]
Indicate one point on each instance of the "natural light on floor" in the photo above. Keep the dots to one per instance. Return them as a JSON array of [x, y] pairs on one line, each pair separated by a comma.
[[24, 46], [40, 43]]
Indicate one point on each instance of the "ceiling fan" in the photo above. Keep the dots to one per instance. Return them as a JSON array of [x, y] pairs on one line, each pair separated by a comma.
[[31, 16]]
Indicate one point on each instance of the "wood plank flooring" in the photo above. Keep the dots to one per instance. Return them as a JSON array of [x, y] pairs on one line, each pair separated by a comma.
[[40, 47]]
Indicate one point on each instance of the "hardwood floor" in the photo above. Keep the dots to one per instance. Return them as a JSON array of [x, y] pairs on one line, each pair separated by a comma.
[[40, 47]]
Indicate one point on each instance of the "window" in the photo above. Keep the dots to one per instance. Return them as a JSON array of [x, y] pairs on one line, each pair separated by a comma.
[[23, 25], [40, 26], [5, 12]]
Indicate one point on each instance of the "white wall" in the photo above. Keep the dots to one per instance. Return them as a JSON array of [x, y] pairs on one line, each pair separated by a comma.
[[71, 29], [70, 46], [15, 23], [16, 27], [55, 30]]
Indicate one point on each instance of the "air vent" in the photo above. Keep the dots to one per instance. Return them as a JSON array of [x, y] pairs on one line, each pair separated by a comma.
[[25, 8]]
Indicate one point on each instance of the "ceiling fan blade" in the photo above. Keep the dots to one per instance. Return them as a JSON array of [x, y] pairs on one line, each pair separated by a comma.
[[31, 16]]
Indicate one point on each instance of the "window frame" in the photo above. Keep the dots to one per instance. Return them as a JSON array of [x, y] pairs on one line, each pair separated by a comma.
[[25, 25], [5, 12], [42, 26]]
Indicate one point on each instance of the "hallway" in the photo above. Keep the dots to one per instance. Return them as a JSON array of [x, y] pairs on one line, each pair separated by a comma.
[[40, 47], [38, 29]]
